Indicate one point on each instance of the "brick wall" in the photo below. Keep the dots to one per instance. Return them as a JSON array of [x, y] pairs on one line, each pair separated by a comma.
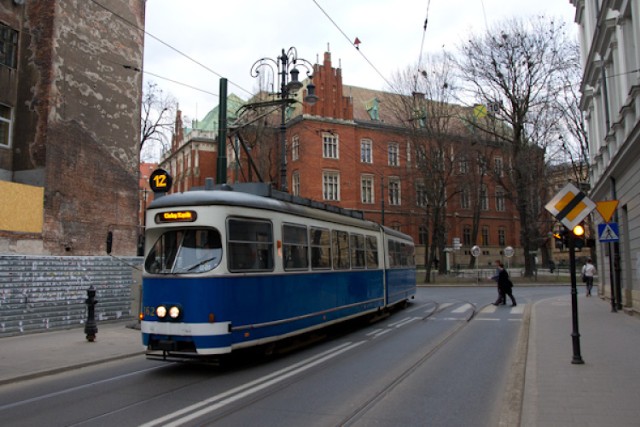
[[48, 293]]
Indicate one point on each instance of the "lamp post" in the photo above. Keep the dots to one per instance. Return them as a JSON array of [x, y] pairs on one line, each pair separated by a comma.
[[286, 67]]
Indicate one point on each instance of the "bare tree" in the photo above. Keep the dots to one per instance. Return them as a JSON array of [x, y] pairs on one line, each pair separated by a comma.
[[516, 69], [158, 116], [421, 103], [573, 140]]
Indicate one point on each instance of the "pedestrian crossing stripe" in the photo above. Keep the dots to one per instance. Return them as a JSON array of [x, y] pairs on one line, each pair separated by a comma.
[[608, 232]]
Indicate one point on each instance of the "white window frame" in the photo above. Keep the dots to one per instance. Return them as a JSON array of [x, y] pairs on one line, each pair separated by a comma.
[[366, 151], [295, 148], [367, 189], [295, 184], [331, 186], [330, 146], [393, 154], [6, 126], [394, 192], [500, 196]]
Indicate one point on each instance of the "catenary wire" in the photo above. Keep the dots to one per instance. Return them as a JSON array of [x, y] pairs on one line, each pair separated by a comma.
[[352, 44], [167, 44]]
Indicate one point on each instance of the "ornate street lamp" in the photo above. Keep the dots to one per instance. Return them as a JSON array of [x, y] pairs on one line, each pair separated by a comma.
[[286, 66]]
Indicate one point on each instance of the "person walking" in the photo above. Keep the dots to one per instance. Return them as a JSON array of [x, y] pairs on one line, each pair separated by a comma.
[[588, 271], [505, 286], [501, 296]]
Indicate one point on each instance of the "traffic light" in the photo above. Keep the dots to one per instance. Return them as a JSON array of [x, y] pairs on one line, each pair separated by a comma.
[[559, 239], [578, 236]]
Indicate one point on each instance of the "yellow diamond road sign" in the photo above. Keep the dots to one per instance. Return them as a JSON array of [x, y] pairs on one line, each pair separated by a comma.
[[570, 206]]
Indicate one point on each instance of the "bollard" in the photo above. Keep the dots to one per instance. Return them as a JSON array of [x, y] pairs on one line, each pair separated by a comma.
[[90, 328]]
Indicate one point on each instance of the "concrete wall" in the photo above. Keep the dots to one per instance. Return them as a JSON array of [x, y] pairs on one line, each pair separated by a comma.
[[47, 293]]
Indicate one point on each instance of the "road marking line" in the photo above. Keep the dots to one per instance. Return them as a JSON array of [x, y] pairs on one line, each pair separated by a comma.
[[230, 396], [462, 309]]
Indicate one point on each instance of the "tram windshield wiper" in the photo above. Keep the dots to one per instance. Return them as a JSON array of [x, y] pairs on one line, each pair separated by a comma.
[[194, 266]]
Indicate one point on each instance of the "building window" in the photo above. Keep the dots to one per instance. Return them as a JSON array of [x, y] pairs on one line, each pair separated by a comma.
[[484, 198], [329, 146], [465, 198], [466, 235], [498, 166], [366, 151], [463, 165], [295, 184], [394, 191], [485, 236], [482, 166], [295, 148], [331, 186], [8, 46], [423, 234], [5, 125], [500, 199], [393, 154], [502, 240], [421, 196], [366, 189], [421, 156]]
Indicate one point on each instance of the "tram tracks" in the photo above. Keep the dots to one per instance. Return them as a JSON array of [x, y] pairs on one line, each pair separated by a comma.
[[233, 401]]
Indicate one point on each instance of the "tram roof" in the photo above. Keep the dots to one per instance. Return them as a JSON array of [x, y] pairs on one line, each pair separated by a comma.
[[253, 195]]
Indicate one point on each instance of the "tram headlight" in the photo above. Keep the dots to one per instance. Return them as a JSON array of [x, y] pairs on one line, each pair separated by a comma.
[[174, 312], [161, 311]]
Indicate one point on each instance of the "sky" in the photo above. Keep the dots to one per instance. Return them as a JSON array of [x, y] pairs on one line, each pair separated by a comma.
[[190, 46]]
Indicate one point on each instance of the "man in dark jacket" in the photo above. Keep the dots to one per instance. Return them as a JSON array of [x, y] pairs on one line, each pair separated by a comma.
[[504, 285]]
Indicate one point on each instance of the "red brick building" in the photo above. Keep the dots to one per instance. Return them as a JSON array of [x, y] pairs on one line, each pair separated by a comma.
[[353, 149], [70, 91]]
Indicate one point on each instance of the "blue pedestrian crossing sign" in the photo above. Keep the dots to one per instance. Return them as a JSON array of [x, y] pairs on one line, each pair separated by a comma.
[[608, 232]]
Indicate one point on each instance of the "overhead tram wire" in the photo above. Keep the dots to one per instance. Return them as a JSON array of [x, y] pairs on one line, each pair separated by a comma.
[[351, 43], [167, 45]]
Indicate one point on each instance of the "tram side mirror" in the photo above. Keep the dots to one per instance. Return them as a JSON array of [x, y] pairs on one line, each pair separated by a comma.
[[109, 241]]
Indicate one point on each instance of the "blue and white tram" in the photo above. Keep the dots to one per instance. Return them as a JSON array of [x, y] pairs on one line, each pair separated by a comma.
[[226, 270]]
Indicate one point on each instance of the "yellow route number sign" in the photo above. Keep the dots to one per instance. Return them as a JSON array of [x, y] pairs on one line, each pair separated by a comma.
[[160, 181]]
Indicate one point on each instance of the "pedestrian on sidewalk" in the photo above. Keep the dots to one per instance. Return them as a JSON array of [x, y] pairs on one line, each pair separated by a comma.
[[505, 286], [588, 271]]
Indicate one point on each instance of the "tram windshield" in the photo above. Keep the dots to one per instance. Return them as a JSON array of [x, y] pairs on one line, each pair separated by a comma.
[[185, 251]]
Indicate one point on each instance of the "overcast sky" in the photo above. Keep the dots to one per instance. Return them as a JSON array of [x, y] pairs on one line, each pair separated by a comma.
[[225, 38]]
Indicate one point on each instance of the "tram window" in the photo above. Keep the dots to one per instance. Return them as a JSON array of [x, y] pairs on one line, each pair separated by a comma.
[[185, 251], [340, 241], [357, 251], [295, 247], [250, 245], [320, 248], [372, 252], [392, 250]]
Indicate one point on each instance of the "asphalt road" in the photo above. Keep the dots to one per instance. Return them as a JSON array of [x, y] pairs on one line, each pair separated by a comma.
[[442, 361]]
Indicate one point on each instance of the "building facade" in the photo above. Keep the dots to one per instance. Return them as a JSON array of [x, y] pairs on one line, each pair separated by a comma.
[[350, 149], [70, 95], [609, 37]]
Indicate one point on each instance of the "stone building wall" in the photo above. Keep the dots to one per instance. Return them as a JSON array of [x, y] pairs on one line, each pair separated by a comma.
[[38, 294]]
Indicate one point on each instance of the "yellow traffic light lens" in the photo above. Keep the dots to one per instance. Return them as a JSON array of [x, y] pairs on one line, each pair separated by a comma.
[[578, 230]]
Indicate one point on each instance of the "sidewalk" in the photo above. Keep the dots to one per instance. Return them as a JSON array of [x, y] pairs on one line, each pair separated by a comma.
[[33, 355], [603, 391]]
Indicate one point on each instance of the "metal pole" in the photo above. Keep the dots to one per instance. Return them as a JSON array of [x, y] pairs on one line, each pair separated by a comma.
[[612, 279], [575, 335], [283, 128], [382, 200], [221, 175]]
